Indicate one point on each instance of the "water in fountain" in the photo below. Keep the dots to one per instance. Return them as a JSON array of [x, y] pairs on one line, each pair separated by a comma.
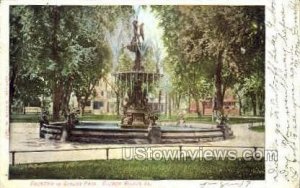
[[136, 111]]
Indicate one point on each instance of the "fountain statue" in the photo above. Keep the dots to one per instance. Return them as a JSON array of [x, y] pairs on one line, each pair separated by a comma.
[[136, 111]]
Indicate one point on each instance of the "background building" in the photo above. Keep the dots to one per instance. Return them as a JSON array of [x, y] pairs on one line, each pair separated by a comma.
[[230, 105]]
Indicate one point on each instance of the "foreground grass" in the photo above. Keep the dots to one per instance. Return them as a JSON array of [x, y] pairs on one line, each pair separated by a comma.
[[258, 128], [134, 169]]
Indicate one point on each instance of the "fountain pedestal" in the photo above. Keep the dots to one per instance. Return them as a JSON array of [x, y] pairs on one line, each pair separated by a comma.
[[137, 112], [135, 118], [138, 119]]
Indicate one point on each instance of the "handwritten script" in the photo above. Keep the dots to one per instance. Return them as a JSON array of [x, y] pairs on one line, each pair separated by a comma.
[[282, 66]]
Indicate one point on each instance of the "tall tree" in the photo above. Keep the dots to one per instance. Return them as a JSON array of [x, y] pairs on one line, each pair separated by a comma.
[[125, 63], [93, 67], [227, 37], [25, 83], [55, 40]]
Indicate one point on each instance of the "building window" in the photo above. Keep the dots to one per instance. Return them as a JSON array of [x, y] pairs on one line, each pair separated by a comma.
[[102, 93], [97, 104]]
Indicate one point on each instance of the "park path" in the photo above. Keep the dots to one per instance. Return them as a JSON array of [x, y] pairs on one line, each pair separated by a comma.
[[25, 136], [243, 137]]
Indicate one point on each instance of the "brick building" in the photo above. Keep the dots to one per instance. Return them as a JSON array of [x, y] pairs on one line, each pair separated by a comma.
[[230, 106]]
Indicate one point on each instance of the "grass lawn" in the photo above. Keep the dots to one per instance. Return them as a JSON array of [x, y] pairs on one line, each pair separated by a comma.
[[207, 119], [92, 117], [34, 118], [258, 128], [147, 169], [28, 118]]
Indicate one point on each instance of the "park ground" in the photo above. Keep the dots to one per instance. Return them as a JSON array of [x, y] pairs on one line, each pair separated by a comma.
[[91, 164], [34, 117]]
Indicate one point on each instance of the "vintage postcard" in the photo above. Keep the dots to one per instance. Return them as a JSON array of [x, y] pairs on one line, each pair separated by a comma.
[[150, 94]]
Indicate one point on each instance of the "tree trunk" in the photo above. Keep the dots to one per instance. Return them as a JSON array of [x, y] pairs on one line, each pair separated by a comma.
[[180, 98], [240, 104], [203, 108], [223, 92], [56, 102], [258, 111], [261, 105], [118, 104], [178, 101], [85, 101], [197, 107], [79, 104], [253, 101], [159, 100], [82, 109], [82, 106], [189, 110], [244, 110], [12, 87], [166, 104], [66, 96], [218, 84], [107, 107], [170, 106], [55, 56]]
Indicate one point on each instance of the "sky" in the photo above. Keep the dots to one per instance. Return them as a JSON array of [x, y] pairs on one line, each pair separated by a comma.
[[154, 33], [152, 30]]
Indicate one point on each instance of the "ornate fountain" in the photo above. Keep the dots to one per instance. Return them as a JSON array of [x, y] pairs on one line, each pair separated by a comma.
[[137, 112], [138, 123]]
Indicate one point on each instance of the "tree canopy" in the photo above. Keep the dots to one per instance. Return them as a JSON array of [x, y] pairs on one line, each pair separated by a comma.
[[59, 50], [65, 46], [227, 42]]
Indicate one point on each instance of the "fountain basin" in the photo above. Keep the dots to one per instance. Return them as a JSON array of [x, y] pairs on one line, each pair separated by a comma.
[[112, 133]]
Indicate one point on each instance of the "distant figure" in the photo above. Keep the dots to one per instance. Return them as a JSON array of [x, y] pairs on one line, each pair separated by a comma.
[[150, 123], [181, 121], [44, 117], [43, 120]]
